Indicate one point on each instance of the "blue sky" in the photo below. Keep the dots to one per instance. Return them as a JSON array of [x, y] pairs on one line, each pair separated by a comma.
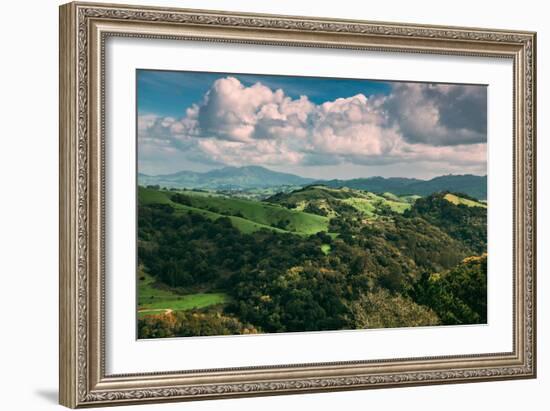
[[310, 126], [169, 93]]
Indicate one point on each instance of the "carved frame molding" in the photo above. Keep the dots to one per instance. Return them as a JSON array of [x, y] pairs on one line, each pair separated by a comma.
[[84, 27]]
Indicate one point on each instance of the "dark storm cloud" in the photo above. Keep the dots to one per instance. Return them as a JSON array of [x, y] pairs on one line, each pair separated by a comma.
[[439, 114]]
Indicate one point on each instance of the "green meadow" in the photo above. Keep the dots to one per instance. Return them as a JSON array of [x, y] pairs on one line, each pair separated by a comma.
[[246, 215], [155, 300]]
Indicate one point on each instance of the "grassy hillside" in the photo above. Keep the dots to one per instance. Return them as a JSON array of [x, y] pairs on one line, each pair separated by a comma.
[[152, 300], [246, 215], [331, 202], [304, 211], [371, 204], [220, 264], [456, 200]]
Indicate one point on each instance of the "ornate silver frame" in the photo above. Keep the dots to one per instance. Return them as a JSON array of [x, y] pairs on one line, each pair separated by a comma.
[[84, 27]]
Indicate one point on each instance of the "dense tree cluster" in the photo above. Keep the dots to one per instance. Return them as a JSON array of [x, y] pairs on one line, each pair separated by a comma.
[[457, 296], [383, 309], [397, 270], [466, 224]]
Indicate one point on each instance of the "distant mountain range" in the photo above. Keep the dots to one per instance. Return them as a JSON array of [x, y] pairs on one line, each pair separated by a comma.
[[227, 178], [256, 177], [475, 186]]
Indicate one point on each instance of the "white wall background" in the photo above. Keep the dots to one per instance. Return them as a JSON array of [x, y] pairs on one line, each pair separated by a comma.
[[28, 206]]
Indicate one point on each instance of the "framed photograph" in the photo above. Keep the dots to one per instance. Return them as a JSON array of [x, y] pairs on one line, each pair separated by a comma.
[[259, 204]]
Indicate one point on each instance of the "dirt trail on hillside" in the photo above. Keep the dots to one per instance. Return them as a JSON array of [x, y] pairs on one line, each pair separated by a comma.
[[166, 310]]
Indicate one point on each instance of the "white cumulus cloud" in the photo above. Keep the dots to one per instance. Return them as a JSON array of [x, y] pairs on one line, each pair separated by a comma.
[[239, 125]]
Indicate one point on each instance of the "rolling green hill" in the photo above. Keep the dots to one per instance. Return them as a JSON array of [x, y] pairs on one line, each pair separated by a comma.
[[153, 300], [304, 211], [316, 258], [456, 200], [246, 215], [330, 202]]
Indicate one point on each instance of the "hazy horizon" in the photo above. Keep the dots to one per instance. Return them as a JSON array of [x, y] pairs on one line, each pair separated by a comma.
[[321, 128], [303, 176]]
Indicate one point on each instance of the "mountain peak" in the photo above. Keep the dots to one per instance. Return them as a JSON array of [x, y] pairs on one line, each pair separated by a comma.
[[230, 177]]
